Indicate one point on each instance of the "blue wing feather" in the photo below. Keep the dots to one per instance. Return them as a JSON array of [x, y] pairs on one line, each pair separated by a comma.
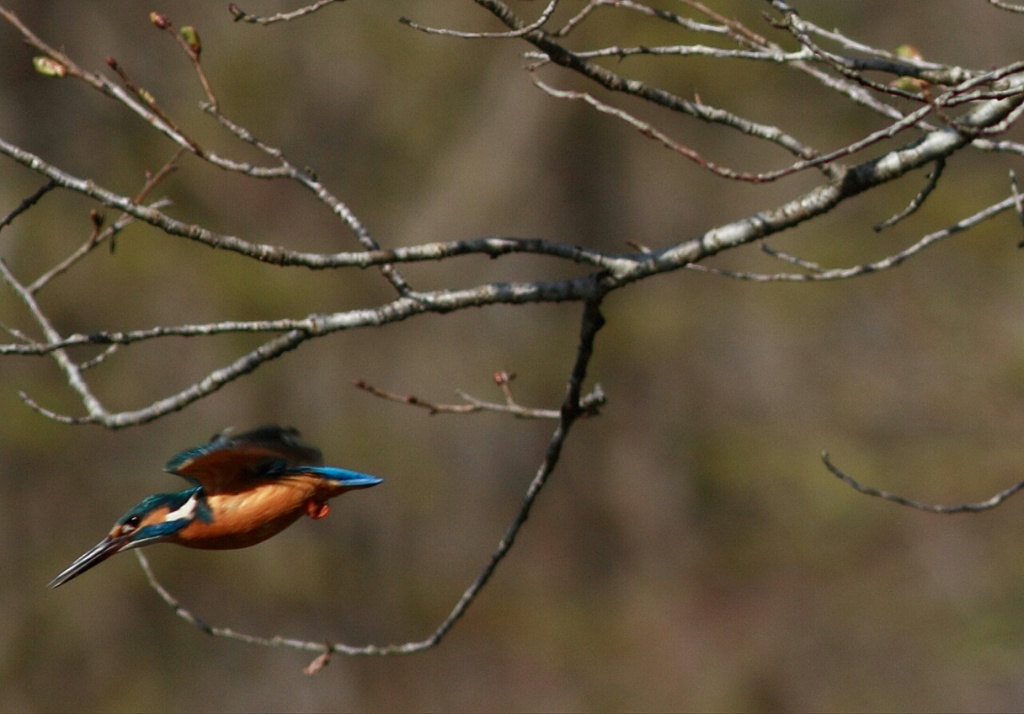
[[231, 462], [352, 479]]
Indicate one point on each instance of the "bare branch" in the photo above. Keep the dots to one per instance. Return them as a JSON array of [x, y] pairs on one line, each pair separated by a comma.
[[1018, 201], [652, 12], [591, 323], [188, 40], [60, 356], [1006, 6], [27, 203], [763, 177], [97, 414], [535, 25], [926, 113], [986, 505], [560, 55], [918, 200], [242, 16], [275, 255], [818, 273], [590, 404], [101, 83], [110, 233]]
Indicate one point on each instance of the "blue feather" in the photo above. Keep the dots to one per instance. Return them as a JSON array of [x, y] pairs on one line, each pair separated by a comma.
[[353, 479]]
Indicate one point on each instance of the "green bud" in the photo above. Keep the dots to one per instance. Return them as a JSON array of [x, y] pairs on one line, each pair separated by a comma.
[[908, 52], [909, 84], [49, 67], [191, 37]]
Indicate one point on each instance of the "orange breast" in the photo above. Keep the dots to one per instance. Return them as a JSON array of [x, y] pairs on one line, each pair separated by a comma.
[[249, 517]]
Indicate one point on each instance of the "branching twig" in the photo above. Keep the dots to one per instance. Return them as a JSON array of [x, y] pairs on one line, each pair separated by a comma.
[[518, 32], [614, 82], [818, 273], [590, 404], [189, 42], [951, 109], [242, 16], [820, 161], [67, 366], [591, 323], [147, 98], [110, 233]]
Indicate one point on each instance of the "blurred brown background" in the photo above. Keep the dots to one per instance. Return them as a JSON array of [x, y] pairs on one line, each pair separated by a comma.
[[691, 552]]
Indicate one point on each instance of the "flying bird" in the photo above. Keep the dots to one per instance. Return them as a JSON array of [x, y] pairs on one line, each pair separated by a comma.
[[244, 489]]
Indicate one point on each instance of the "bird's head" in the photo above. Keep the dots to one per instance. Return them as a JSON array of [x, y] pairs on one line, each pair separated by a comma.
[[154, 519]]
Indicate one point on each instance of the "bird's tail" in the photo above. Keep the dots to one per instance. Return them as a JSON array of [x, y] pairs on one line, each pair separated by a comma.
[[349, 479]]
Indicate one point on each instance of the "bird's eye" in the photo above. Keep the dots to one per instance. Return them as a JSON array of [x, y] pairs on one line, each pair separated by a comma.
[[130, 525]]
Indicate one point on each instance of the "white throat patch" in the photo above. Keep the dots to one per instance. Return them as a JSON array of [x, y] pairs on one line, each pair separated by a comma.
[[186, 512]]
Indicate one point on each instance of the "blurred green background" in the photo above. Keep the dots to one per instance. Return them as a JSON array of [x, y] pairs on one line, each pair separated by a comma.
[[691, 552]]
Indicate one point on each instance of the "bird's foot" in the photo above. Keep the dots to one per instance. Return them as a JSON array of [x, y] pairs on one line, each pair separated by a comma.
[[317, 509]]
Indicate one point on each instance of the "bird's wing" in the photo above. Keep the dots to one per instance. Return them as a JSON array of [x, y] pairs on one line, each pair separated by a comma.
[[233, 461]]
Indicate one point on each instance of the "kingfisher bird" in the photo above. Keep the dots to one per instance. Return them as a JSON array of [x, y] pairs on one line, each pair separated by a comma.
[[244, 489]]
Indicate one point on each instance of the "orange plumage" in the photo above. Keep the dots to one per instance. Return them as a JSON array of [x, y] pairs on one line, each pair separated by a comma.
[[245, 489]]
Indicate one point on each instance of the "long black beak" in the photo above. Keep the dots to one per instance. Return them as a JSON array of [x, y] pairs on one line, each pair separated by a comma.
[[94, 556]]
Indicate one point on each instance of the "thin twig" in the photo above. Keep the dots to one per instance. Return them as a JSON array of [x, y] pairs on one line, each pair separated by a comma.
[[518, 32], [590, 404], [590, 324], [66, 365], [192, 50], [1018, 202], [886, 263], [27, 203], [809, 265], [614, 82], [111, 232], [1006, 6], [918, 200], [242, 16], [986, 505], [309, 181], [145, 96]]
